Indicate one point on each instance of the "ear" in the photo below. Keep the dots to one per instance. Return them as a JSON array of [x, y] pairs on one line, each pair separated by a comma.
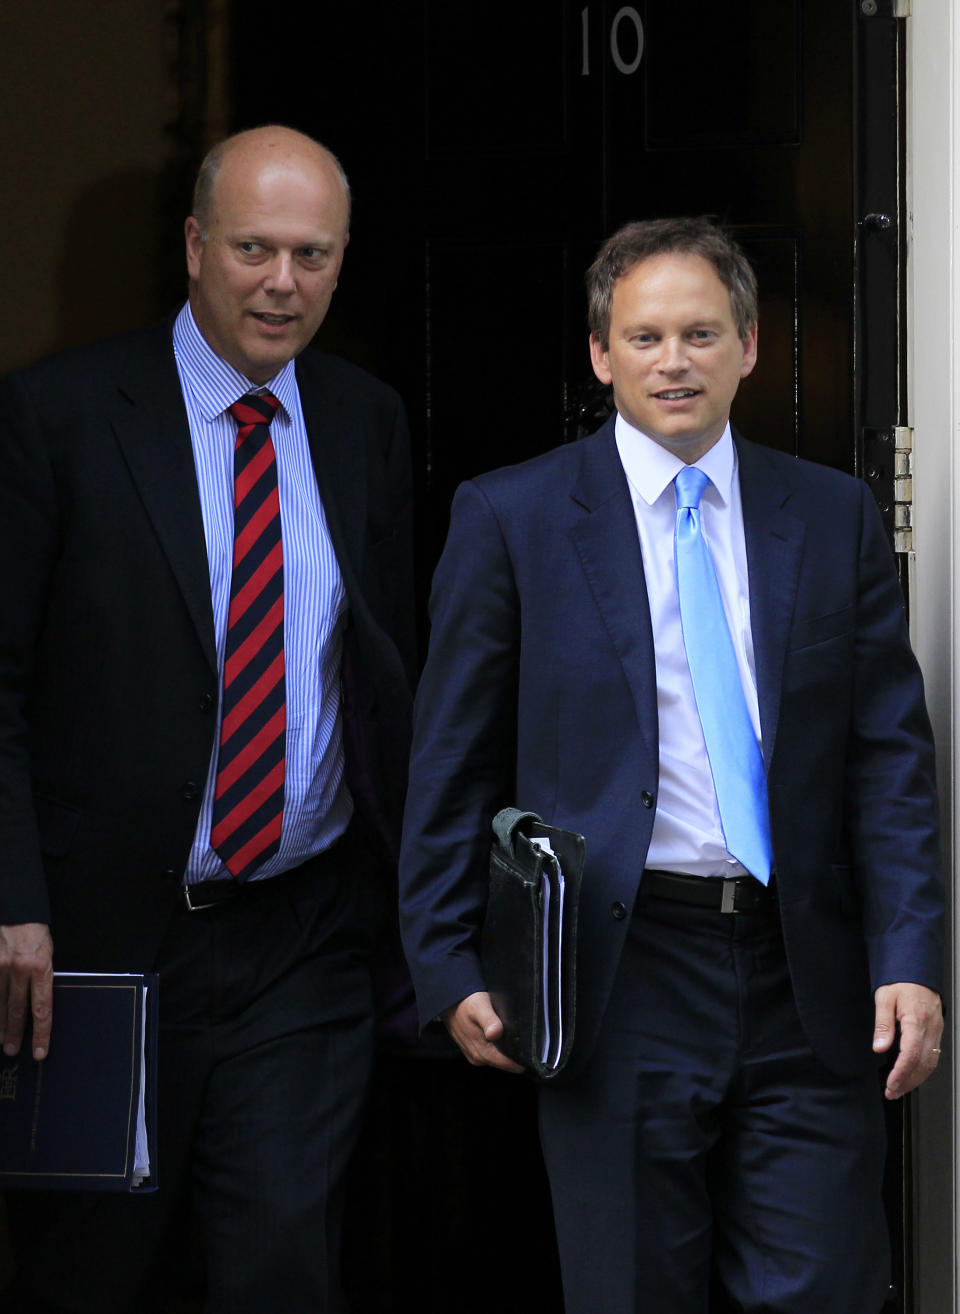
[[749, 352], [346, 243], [598, 359], [194, 243]]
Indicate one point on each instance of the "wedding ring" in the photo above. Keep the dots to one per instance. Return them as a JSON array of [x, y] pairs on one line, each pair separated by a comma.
[[936, 1051]]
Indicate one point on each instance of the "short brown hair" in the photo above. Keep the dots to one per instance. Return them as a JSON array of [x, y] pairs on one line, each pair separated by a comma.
[[651, 237]]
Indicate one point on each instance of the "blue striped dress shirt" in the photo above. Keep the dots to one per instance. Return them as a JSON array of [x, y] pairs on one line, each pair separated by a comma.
[[317, 804]]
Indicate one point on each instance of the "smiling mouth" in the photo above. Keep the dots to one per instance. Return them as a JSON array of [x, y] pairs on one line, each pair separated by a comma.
[[677, 394], [274, 320]]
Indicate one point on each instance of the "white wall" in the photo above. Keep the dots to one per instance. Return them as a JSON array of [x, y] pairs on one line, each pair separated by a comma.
[[933, 181]]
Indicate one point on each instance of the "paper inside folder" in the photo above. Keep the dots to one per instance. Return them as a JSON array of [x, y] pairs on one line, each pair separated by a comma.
[[141, 1171], [552, 894]]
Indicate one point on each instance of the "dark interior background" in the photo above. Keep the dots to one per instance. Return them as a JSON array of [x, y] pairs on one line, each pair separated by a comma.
[[491, 148]]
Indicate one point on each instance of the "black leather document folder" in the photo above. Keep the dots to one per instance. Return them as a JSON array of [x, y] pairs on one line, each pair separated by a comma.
[[529, 940], [84, 1117]]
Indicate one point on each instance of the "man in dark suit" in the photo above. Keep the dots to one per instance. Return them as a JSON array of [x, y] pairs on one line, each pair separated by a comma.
[[761, 907], [206, 651]]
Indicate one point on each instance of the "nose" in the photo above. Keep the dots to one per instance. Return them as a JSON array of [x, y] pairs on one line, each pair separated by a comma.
[[673, 355], [279, 278]]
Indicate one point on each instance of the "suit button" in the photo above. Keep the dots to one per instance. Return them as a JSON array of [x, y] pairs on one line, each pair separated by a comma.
[[646, 798], [618, 911], [207, 703], [191, 790]]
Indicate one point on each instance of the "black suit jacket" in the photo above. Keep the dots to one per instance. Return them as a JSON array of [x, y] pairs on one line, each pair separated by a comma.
[[540, 690], [108, 677]]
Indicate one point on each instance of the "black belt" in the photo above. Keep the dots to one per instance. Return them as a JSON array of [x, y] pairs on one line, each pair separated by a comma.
[[209, 894], [725, 894]]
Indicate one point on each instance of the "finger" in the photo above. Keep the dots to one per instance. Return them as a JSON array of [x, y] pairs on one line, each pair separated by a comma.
[[908, 1073], [495, 1059], [885, 1021], [41, 1005], [918, 1057], [492, 1054], [472, 1020], [491, 1025], [488, 1056], [478, 1048], [15, 1016], [482, 1014], [900, 1077], [475, 1025]]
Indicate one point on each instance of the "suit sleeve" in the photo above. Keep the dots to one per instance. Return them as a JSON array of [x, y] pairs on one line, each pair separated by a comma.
[[890, 783], [28, 538], [464, 755]]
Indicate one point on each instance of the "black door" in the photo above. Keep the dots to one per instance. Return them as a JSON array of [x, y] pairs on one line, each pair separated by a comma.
[[491, 148]]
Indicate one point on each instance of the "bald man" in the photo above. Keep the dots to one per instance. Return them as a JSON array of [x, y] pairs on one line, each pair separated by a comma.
[[205, 661]]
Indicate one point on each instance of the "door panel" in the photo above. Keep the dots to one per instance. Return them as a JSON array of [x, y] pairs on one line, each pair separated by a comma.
[[491, 149]]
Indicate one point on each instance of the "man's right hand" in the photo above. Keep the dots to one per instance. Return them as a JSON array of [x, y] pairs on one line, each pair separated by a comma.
[[475, 1026], [26, 982]]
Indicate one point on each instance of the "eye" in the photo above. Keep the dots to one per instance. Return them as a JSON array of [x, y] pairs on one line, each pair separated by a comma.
[[702, 335], [315, 256], [249, 248]]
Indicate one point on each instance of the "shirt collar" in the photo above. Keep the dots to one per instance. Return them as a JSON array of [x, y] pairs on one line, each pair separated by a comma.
[[651, 469], [214, 384]]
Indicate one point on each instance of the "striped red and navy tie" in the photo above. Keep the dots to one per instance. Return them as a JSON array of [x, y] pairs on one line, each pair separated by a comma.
[[248, 802]]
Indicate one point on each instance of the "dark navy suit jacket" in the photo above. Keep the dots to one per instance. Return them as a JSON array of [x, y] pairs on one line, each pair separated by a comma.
[[540, 690], [108, 675]]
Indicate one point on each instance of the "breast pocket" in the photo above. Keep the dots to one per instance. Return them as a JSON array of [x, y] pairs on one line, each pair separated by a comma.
[[821, 629], [820, 653]]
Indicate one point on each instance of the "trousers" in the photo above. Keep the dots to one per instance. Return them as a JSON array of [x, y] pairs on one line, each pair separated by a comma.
[[706, 1133], [264, 1057]]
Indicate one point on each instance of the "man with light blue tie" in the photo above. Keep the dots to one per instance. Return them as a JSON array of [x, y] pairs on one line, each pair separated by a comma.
[[693, 651]]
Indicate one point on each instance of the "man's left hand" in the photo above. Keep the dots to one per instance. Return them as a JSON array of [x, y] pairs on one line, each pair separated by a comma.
[[916, 1012]]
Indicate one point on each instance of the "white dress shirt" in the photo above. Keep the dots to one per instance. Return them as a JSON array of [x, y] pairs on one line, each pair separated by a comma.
[[687, 835], [317, 804]]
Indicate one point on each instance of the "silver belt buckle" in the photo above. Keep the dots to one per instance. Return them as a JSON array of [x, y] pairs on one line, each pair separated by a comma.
[[728, 895], [193, 904]]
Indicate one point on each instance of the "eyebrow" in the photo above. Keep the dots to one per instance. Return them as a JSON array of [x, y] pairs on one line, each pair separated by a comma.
[[324, 243], [645, 326]]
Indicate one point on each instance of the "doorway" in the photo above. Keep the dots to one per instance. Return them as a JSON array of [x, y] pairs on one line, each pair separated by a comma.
[[490, 150]]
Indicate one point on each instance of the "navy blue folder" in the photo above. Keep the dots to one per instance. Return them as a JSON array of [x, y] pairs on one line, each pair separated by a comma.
[[70, 1121]]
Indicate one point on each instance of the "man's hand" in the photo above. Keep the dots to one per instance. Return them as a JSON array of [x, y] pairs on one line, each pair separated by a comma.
[[916, 1011], [26, 982], [475, 1026]]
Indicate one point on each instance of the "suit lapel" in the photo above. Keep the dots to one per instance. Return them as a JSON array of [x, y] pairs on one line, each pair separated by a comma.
[[150, 425], [774, 543], [607, 542]]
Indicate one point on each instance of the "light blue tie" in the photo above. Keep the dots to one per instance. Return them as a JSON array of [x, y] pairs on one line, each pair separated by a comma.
[[735, 758]]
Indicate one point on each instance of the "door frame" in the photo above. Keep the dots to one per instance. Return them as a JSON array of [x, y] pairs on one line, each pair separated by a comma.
[[933, 333]]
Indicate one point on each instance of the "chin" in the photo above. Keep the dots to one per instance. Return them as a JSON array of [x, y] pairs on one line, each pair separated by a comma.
[[266, 367]]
